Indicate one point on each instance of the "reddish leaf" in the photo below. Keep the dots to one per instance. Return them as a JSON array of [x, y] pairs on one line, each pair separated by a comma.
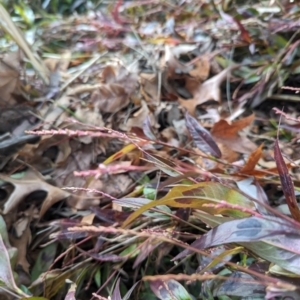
[[244, 33], [252, 160], [202, 137], [228, 134], [286, 183], [225, 130]]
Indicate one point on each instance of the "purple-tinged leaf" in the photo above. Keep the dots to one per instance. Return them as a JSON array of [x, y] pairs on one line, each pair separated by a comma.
[[147, 129], [116, 294], [288, 258], [262, 198], [238, 284], [6, 272], [281, 293], [245, 230], [169, 290], [253, 189], [71, 292], [286, 183], [202, 137]]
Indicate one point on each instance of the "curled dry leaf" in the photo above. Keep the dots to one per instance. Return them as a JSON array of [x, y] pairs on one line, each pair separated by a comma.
[[201, 69], [116, 90], [149, 88], [252, 161], [172, 65], [9, 76], [139, 117], [208, 90], [228, 134]]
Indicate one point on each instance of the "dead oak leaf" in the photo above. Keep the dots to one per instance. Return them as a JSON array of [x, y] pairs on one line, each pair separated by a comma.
[[208, 90], [226, 130], [201, 69], [116, 90], [110, 98], [24, 187], [228, 135]]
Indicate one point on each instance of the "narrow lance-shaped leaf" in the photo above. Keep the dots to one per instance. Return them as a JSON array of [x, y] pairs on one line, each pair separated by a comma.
[[116, 294], [202, 137], [147, 129], [286, 183]]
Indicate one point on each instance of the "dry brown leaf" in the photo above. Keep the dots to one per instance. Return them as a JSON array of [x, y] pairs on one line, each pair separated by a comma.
[[172, 64], [228, 134], [25, 186], [116, 185], [149, 88], [228, 154], [208, 90], [59, 64], [108, 74], [89, 116], [110, 98], [225, 130], [9, 77], [253, 160], [201, 69], [115, 93], [139, 117], [22, 242]]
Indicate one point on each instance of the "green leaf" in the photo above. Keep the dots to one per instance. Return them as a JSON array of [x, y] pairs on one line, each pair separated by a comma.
[[44, 261], [97, 277]]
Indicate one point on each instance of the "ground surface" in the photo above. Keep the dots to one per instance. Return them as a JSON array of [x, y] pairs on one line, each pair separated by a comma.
[[141, 151]]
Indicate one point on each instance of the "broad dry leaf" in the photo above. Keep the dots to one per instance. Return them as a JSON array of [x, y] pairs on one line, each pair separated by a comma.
[[228, 134], [60, 64], [172, 65], [139, 117], [9, 77], [149, 88], [253, 160], [24, 187], [208, 90], [229, 130], [116, 90], [21, 244], [201, 69], [110, 98]]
